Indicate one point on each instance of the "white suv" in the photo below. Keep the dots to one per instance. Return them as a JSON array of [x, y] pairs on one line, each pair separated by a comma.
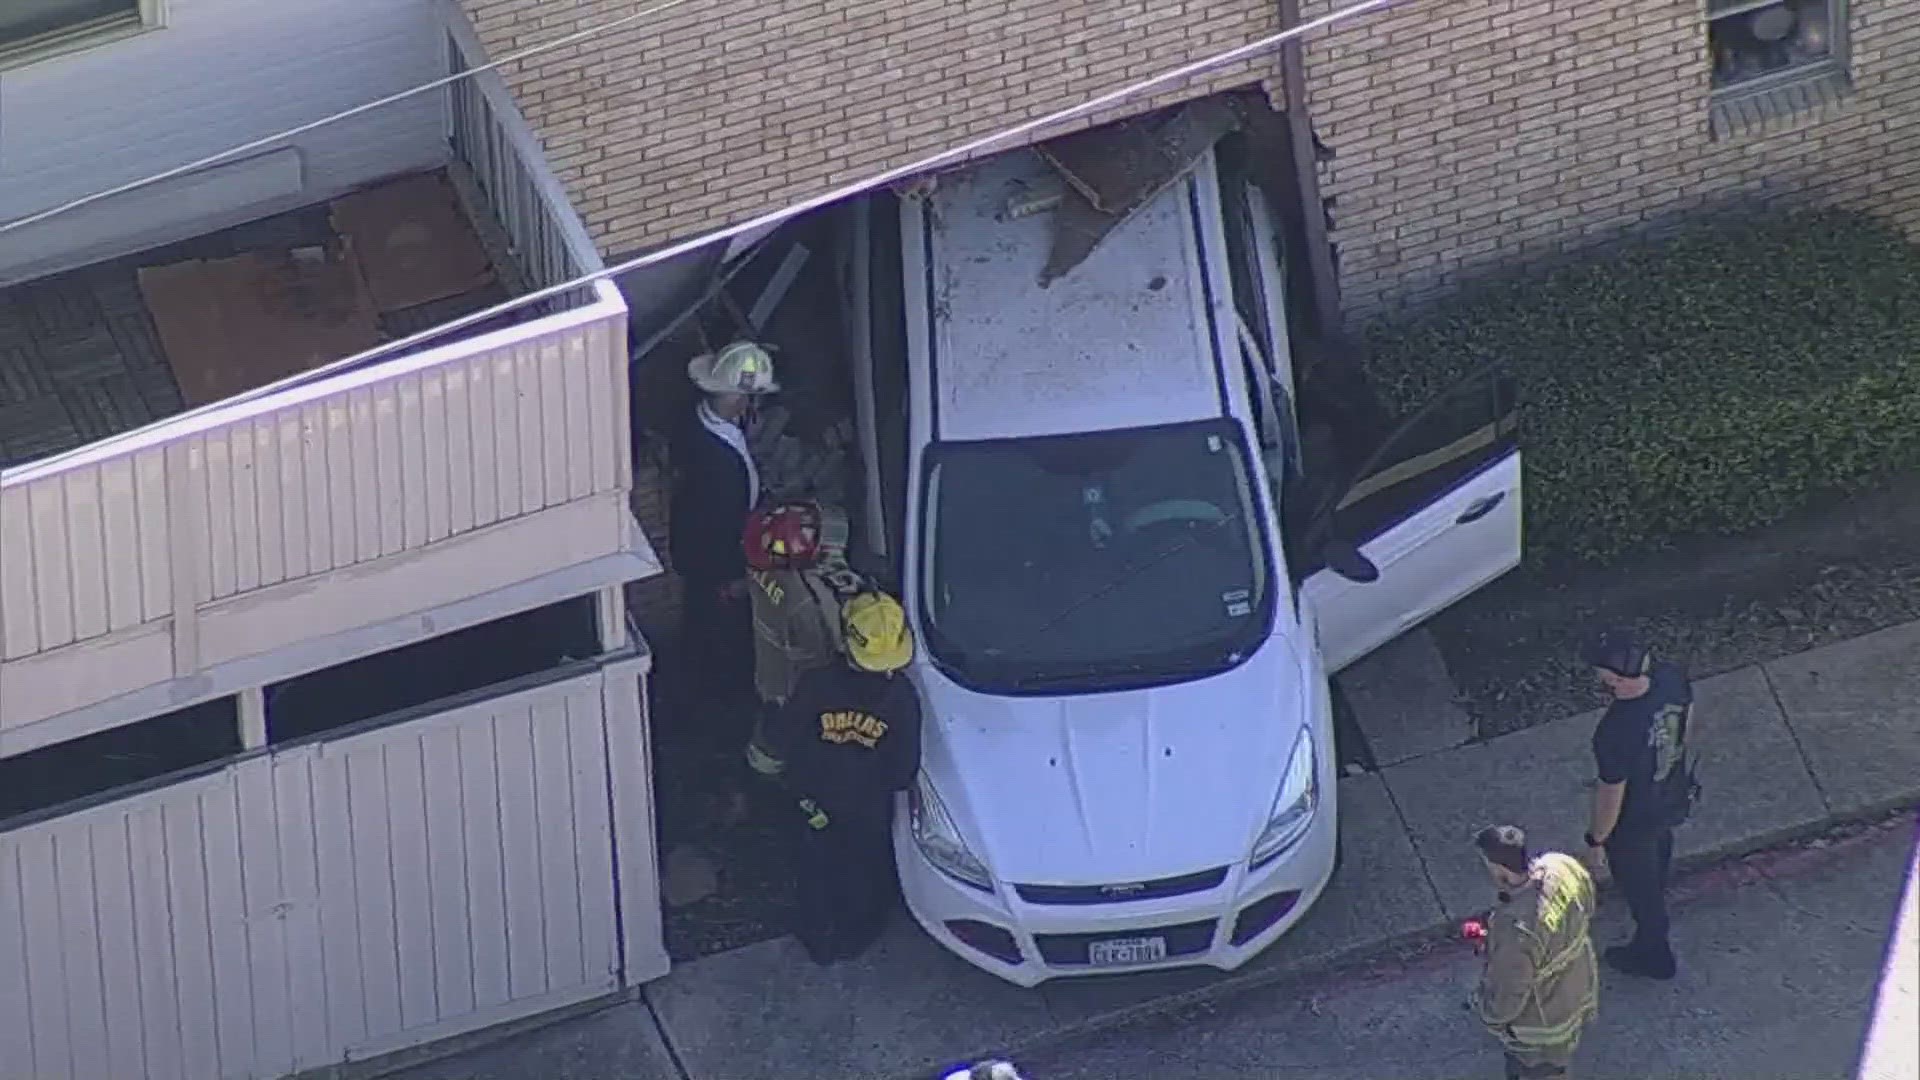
[[1093, 499]]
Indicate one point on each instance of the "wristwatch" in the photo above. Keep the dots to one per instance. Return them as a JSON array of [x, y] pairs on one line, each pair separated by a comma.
[[1591, 842]]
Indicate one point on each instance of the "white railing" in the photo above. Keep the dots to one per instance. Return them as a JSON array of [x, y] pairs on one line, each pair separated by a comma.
[[548, 242], [136, 539], [365, 465]]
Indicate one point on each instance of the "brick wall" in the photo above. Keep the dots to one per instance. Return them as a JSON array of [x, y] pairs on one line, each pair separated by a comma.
[[721, 109], [1478, 133]]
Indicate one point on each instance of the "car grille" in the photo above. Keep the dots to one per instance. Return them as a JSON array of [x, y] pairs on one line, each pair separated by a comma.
[[1186, 939], [1123, 892]]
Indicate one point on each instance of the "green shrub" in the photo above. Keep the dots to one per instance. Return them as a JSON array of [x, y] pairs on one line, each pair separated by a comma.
[[1707, 383]]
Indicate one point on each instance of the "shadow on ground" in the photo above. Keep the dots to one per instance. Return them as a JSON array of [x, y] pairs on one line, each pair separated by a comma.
[[1841, 569]]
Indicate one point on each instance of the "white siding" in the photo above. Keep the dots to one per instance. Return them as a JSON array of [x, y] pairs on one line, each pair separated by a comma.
[[327, 902], [219, 73], [364, 467]]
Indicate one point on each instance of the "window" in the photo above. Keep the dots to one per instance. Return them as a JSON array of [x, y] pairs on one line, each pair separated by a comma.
[[32, 28], [1432, 450], [1751, 40], [442, 667], [1094, 562], [119, 757]]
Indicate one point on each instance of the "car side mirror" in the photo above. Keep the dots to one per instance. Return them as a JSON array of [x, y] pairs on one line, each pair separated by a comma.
[[1343, 557]]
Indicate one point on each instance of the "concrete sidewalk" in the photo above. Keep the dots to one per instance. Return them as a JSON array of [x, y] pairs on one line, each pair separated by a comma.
[[1786, 747]]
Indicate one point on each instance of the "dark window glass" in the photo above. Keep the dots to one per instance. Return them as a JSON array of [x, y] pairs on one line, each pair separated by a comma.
[[1752, 39], [442, 667], [23, 20], [119, 757], [1093, 562]]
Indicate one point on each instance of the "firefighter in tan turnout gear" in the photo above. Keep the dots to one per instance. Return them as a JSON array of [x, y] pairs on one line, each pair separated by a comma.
[[798, 579], [1541, 984]]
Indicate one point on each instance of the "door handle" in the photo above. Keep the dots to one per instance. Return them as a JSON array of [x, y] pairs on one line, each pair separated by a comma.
[[1481, 508]]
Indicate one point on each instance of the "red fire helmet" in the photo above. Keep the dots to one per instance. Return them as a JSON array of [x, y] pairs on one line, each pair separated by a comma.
[[794, 536]]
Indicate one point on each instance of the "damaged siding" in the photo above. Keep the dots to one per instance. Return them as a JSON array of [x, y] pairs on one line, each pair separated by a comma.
[[1495, 131], [712, 112]]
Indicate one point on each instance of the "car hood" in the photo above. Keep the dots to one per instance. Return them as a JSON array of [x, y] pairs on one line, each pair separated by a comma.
[[1120, 787]]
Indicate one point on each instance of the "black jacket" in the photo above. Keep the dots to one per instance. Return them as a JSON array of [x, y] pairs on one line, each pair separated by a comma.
[[848, 737], [708, 507]]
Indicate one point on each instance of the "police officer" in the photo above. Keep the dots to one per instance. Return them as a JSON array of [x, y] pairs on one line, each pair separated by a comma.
[[1645, 788], [847, 739], [1540, 985]]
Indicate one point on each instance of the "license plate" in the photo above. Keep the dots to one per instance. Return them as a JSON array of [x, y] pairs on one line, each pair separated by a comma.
[[1121, 952]]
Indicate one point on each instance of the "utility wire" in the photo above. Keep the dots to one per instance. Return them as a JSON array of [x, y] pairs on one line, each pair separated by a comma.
[[347, 114], [674, 250]]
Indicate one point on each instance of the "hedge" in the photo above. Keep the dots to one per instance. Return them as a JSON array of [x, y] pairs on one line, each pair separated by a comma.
[[1708, 383]]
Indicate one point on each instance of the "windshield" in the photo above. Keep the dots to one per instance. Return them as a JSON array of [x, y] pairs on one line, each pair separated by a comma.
[[1100, 561]]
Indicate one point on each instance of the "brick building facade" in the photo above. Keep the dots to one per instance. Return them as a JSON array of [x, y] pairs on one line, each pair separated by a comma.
[[712, 112], [1467, 137], [1484, 133]]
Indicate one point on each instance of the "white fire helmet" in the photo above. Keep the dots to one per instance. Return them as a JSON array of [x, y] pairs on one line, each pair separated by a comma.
[[740, 368]]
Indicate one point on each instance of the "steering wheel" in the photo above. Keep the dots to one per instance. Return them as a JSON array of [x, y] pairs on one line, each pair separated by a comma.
[[1175, 523], [1189, 512]]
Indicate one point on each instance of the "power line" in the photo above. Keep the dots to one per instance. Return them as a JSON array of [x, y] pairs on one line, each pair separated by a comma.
[[346, 114], [771, 218]]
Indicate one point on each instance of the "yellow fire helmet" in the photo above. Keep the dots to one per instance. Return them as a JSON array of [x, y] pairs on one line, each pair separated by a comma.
[[876, 630]]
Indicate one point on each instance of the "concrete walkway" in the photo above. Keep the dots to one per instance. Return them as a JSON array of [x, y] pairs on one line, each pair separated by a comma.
[[1786, 746]]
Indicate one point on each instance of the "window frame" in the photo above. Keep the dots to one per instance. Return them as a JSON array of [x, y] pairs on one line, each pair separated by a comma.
[[146, 15], [101, 794], [1772, 90]]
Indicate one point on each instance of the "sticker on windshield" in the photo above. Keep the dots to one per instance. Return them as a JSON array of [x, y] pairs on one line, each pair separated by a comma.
[[1213, 444], [1239, 602]]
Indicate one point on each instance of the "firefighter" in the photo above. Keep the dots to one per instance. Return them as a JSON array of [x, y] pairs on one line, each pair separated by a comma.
[[1541, 983], [849, 737], [715, 485], [796, 559]]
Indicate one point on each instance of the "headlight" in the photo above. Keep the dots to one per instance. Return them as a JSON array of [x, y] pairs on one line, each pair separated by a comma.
[[1293, 808], [939, 840]]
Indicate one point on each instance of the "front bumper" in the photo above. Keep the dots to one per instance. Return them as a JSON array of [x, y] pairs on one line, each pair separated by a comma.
[[1027, 943]]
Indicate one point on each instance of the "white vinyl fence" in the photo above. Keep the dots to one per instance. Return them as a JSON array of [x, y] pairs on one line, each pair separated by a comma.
[[336, 900]]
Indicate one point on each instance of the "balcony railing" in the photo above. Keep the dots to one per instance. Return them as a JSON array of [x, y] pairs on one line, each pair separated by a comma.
[[549, 244], [124, 560]]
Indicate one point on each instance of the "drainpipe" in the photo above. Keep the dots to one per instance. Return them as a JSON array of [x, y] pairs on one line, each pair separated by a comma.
[[1313, 214]]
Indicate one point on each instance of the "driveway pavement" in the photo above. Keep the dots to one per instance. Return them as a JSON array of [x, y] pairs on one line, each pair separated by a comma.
[[1788, 747]]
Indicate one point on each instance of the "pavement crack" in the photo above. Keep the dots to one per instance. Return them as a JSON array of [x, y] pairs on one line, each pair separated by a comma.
[[1407, 828], [1786, 719], [666, 1037], [1775, 889]]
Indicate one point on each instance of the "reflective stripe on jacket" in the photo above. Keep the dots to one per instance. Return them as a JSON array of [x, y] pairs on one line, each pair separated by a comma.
[[796, 628], [1541, 984]]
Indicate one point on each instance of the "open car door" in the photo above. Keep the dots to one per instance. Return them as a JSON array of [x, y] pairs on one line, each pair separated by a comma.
[[1435, 509]]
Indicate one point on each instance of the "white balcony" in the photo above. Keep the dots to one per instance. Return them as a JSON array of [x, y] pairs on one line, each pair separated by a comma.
[[143, 554]]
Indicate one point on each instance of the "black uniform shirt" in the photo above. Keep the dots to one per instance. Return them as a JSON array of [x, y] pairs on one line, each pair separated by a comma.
[[709, 504], [1639, 742], [848, 736]]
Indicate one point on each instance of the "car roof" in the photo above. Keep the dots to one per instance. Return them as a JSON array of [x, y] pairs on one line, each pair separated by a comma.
[[1121, 340]]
